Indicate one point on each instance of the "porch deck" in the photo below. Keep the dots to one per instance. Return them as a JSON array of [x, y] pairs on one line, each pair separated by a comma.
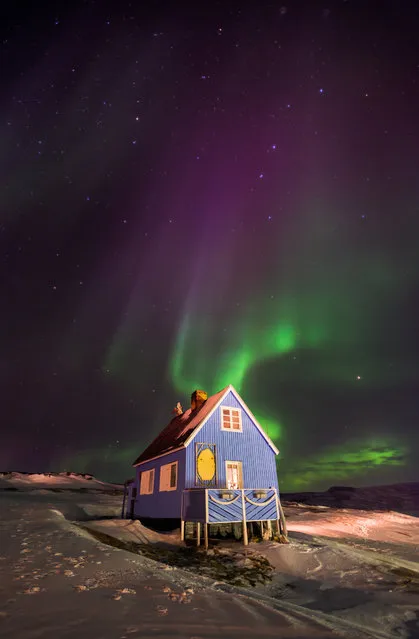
[[218, 505]]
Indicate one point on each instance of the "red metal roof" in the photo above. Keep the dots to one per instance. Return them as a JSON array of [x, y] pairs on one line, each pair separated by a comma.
[[179, 429]]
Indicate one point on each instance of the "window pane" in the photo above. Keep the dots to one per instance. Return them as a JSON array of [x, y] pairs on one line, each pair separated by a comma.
[[231, 418], [163, 475], [144, 483], [173, 476]]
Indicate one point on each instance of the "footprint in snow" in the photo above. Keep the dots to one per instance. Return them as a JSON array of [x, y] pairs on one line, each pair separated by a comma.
[[124, 591]]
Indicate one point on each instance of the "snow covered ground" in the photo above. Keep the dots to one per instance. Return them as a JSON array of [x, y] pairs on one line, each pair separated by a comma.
[[58, 580]]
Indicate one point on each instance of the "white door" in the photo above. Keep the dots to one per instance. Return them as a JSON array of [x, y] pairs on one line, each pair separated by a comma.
[[234, 474]]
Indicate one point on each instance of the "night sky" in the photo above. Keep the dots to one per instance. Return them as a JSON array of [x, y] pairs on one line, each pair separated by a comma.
[[194, 195]]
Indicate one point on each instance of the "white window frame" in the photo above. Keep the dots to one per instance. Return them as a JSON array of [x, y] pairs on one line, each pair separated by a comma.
[[145, 482], [164, 480], [239, 470], [231, 409]]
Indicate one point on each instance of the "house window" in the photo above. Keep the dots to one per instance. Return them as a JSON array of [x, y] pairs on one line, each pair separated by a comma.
[[231, 419], [147, 482], [234, 474], [168, 477]]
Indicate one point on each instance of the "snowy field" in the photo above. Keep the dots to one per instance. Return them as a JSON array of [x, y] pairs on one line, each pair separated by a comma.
[[70, 568]]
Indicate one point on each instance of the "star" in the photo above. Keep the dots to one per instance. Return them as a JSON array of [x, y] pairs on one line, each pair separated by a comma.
[[180, 213]]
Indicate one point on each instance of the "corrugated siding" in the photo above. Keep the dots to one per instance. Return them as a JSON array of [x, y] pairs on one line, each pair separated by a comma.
[[194, 505], [249, 447], [161, 504]]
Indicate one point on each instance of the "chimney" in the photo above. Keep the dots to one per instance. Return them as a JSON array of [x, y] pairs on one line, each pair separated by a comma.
[[178, 410], [198, 398]]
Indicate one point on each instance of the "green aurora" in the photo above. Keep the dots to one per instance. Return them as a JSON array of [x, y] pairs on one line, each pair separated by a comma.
[[319, 310], [312, 321]]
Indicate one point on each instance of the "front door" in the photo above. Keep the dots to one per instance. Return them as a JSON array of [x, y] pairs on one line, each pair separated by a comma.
[[234, 474]]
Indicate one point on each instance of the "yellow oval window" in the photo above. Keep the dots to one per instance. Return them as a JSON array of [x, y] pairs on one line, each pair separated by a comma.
[[206, 464]]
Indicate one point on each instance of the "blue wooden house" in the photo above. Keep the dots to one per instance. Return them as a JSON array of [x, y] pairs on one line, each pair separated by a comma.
[[212, 464]]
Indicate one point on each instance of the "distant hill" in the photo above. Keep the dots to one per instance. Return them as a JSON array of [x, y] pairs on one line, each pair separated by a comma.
[[21, 481], [402, 498]]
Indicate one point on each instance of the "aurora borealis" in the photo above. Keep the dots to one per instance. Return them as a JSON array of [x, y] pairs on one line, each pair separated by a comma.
[[193, 197]]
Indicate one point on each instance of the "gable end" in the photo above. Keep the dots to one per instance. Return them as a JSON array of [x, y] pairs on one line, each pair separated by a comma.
[[244, 408]]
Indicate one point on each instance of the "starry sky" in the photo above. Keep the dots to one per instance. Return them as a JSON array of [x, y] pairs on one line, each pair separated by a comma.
[[198, 195]]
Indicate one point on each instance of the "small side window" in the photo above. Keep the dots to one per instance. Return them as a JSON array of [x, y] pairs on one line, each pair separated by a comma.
[[147, 482], [231, 419], [168, 477]]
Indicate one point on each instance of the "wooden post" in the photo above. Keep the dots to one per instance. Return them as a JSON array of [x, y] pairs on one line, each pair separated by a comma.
[[282, 518], [278, 514], [270, 528], [198, 533], [182, 522], [245, 538], [206, 536], [261, 529]]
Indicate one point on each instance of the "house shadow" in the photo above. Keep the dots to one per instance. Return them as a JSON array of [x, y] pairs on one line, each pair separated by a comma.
[[227, 567]]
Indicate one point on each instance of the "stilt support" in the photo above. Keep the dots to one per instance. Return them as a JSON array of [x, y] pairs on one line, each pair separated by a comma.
[[182, 530], [206, 526], [282, 518], [245, 537], [198, 533]]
